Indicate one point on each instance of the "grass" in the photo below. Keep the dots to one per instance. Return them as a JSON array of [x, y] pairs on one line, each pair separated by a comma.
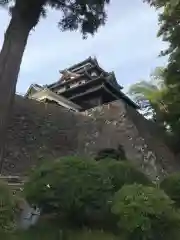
[[73, 235], [49, 232], [91, 235]]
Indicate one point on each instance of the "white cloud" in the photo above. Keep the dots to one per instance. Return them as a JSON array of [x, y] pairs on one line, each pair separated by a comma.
[[127, 45]]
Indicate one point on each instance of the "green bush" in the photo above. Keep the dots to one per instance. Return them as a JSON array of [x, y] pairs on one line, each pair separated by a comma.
[[171, 185], [146, 213], [91, 235], [7, 208], [123, 173], [44, 230], [47, 231], [76, 190]]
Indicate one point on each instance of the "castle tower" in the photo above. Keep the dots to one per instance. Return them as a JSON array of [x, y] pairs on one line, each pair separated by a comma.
[[88, 85]]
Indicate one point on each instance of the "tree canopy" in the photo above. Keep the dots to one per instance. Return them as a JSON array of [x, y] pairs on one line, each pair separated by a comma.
[[8, 206], [169, 31], [159, 104], [145, 213], [77, 190], [149, 95], [85, 15]]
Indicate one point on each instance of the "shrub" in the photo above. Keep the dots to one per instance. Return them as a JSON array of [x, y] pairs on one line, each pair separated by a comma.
[[76, 190], [146, 213], [171, 185], [116, 154], [124, 173], [7, 208], [91, 235], [48, 231]]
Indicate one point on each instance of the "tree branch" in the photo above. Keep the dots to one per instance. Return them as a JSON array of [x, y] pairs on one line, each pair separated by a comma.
[[71, 6]]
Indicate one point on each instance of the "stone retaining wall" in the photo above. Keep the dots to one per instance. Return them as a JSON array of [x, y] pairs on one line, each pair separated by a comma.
[[39, 131]]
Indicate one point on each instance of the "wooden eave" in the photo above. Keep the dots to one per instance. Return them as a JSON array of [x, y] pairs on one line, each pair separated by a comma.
[[32, 86], [121, 95], [62, 84], [113, 76], [88, 84], [89, 59], [110, 89], [95, 90], [89, 91], [94, 63], [48, 94], [95, 82]]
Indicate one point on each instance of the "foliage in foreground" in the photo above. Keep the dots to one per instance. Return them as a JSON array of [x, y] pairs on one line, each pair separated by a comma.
[[158, 102], [171, 185], [146, 213], [92, 235], [76, 190], [47, 231], [79, 191], [8, 206], [124, 173], [148, 95], [169, 31]]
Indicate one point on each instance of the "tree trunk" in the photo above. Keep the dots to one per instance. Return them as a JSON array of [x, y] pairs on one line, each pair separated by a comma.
[[10, 60]]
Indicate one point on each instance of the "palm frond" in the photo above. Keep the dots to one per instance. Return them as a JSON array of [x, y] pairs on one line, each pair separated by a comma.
[[144, 90], [149, 94]]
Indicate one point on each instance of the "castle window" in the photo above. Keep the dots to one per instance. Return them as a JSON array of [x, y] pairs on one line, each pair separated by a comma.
[[61, 90], [82, 82], [93, 74], [71, 110]]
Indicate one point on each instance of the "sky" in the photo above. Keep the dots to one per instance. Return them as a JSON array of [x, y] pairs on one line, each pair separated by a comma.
[[127, 45]]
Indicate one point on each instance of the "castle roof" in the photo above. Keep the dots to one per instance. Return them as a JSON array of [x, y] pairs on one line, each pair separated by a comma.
[[87, 80]]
